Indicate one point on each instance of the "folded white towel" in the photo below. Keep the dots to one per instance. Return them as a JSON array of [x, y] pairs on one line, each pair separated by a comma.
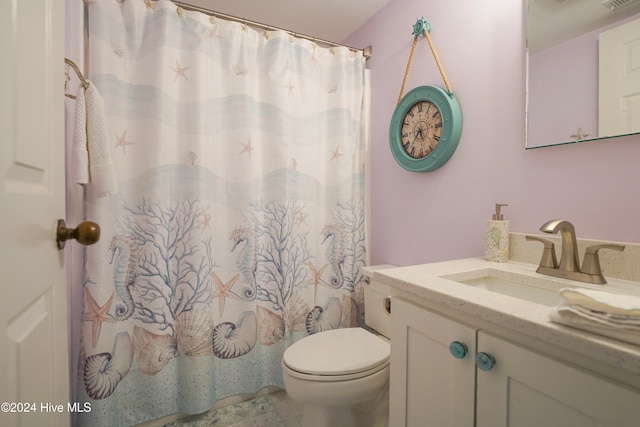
[[605, 313], [568, 317], [90, 147], [626, 305]]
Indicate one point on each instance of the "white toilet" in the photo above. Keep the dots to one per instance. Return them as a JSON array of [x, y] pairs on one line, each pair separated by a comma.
[[342, 375]]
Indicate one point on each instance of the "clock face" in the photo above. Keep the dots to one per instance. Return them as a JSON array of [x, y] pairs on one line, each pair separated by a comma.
[[425, 128], [421, 129]]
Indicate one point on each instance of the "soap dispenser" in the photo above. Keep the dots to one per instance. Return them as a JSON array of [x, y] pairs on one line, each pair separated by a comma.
[[496, 237]]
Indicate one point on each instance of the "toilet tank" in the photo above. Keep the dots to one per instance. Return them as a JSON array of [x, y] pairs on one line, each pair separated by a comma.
[[377, 313]]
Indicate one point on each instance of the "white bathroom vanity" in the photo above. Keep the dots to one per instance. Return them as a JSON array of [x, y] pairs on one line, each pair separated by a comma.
[[472, 344]]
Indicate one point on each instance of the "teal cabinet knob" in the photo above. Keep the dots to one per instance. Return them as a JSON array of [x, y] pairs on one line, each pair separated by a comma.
[[485, 361], [458, 349]]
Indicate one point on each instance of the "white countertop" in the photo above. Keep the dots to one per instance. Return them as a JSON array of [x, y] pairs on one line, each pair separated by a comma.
[[511, 313]]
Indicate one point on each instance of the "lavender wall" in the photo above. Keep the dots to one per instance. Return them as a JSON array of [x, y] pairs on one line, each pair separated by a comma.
[[418, 218]]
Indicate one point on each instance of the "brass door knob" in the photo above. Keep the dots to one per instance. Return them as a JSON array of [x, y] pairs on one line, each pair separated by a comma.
[[86, 233]]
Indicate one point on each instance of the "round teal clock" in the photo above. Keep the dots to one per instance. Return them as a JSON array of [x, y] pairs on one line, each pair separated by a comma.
[[425, 129]]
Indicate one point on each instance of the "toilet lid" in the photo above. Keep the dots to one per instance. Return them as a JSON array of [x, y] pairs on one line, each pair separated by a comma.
[[337, 352]]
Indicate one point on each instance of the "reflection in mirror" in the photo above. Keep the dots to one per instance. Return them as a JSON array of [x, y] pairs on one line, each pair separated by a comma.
[[574, 92]]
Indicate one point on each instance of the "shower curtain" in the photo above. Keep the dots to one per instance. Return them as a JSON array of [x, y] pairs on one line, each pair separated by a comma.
[[238, 226]]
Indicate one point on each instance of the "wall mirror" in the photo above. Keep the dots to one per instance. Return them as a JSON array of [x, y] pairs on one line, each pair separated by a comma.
[[569, 80]]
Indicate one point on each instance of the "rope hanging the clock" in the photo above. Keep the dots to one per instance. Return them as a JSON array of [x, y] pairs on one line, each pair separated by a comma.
[[423, 27]]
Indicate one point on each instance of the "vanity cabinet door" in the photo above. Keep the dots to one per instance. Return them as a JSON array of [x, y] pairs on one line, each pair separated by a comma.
[[524, 388], [429, 386]]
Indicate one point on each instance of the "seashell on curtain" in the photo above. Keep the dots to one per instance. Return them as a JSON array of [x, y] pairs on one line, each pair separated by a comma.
[[234, 340], [103, 371]]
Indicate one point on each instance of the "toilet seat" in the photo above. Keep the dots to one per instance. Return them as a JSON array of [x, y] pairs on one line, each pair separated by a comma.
[[337, 355]]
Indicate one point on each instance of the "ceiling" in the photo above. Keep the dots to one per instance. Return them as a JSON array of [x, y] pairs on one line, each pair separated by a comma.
[[550, 22], [330, 20]]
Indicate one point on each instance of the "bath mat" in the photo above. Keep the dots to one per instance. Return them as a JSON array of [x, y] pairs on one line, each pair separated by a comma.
[[258, 412]]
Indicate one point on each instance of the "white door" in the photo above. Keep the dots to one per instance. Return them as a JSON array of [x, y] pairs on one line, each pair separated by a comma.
[[619, 81], [34, 378]]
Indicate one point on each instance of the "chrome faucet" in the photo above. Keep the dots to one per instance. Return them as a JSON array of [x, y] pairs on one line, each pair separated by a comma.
[[568, 268]]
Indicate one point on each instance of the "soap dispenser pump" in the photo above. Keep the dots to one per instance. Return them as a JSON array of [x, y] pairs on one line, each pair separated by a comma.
[[496, 237]]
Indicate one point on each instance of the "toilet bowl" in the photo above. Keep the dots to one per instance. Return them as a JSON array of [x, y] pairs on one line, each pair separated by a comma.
[[341, 376]]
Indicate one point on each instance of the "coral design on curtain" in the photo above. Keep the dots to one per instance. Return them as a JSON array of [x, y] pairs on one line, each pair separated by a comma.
[[238, 226]]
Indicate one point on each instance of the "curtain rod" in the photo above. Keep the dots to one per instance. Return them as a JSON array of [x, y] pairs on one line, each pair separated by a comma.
[[366, 52]]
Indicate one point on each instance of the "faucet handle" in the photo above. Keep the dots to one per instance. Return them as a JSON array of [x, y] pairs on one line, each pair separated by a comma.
[[548, 254], [591, 262]]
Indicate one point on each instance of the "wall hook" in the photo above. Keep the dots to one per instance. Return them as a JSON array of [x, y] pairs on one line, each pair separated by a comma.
[[420, 26]]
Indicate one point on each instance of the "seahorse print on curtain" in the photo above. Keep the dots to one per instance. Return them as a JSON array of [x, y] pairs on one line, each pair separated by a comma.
[[333, 238], [243, 239], [124, 257]]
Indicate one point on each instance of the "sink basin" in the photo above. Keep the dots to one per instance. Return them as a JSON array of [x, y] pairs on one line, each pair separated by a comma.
[[528, 288]]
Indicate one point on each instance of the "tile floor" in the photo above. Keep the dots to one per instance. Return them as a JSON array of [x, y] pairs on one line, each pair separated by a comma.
[[270, 410]]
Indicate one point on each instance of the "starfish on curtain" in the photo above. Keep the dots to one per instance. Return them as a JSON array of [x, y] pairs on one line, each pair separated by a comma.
[[96, 315], [302, 217], [246, 148], [336, 154], [317, 278], [290, 87], [206, 221], [223, 290], [122, 141], [180, 71]]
